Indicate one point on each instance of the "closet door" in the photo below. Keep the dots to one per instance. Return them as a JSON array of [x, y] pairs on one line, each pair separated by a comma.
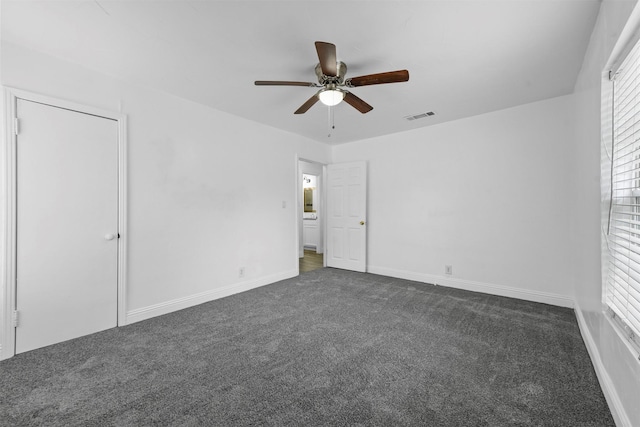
[[67, 224]]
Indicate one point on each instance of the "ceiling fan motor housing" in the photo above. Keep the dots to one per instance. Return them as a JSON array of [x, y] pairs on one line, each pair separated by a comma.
[[338, 79]]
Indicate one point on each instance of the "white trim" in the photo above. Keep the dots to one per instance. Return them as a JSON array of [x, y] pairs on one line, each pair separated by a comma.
[[325, 204], [122, 220], [621, 329], [627, 39], [297, 200], [608, 388], [166, 307], [8, 162], [469, 285]]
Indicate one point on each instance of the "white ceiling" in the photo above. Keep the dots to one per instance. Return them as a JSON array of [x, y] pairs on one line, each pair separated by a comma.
[[464, 57]]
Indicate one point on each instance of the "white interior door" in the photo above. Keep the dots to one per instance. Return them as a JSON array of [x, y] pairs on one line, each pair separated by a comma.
[[346, 245], [67, 224]]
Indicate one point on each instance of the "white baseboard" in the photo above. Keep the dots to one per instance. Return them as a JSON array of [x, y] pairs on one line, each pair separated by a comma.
[[608, 388], [469, 285], [145, 313]]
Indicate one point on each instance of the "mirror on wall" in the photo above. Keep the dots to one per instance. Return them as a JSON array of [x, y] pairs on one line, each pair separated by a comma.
[[309, 188], [308, 200]]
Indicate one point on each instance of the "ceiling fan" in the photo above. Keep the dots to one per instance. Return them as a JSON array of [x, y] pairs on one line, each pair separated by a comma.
[[331, 79]]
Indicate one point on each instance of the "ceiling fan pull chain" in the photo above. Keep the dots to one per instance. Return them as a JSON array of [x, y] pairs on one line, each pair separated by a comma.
[[330, 122], [333, 120]]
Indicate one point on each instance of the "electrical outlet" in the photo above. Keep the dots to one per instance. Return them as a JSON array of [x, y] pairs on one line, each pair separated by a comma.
[[448, 269], [241, 272]]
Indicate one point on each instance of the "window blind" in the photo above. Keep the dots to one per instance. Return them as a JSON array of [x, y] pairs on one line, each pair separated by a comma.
[[622, 287]]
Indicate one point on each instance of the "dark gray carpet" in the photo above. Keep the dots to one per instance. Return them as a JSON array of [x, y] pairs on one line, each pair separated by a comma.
[[329, 347]]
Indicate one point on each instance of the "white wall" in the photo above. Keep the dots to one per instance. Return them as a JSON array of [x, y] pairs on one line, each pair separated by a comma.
[[486, 195], [205, 188], [617, 367]]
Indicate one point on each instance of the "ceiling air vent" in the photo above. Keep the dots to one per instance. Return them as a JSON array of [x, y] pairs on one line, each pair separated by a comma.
[[420, 116]]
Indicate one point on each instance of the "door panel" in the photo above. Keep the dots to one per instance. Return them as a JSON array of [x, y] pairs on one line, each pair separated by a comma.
[[347, 235], [337, 244], [67, 203], [337, 200], [354, 244]]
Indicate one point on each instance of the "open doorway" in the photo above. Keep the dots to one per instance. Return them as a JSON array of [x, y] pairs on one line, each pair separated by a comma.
[[310, 261], [311, 216]]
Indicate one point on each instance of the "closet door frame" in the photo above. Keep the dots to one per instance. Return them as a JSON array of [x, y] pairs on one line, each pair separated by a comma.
[[8, 226]]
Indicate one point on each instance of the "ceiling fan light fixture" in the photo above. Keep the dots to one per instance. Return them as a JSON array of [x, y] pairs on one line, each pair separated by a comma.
[[331, 97]]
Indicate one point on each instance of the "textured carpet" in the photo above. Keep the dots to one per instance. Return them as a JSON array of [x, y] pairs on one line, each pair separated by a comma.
[[329, 347]]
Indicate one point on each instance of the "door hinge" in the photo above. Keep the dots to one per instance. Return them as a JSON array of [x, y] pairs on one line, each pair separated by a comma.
[[15, 318], [16, 126]]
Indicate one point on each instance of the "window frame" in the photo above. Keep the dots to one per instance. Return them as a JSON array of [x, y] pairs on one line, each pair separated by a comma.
[[621, 280]]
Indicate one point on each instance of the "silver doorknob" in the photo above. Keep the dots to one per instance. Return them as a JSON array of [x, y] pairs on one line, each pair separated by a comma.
[[109, 237]]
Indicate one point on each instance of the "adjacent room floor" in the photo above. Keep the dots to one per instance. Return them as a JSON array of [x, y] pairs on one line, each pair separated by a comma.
[[311, 261]]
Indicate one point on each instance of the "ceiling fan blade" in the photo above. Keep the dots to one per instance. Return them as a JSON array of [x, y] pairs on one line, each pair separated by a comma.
[[283, 83], [304, 107], [327, 56], [357, 103], [380, 78]]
